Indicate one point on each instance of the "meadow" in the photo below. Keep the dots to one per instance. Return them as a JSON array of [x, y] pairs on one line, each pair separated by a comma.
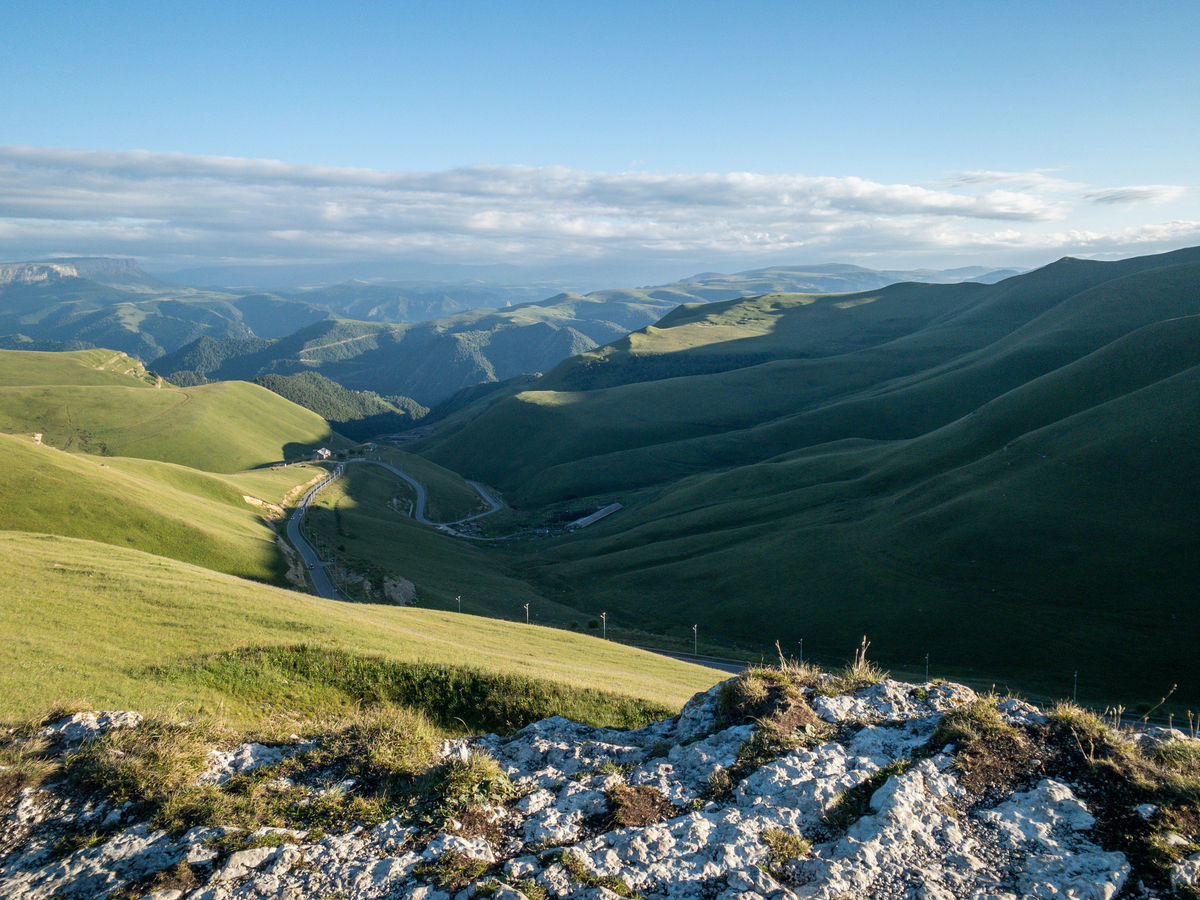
[[101, 627]]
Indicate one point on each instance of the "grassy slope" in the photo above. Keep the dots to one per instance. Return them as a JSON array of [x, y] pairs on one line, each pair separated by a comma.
[[352, 513], [1069, 546], [449, 498], [157, 507], [105, 626], [1005, 486], [99, 401]]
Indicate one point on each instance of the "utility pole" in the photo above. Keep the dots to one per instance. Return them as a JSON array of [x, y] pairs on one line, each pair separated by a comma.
[[1075, 690], [459, 600], [927, 668], [801, 651], [526, 613], [604, 625], [695, 641]]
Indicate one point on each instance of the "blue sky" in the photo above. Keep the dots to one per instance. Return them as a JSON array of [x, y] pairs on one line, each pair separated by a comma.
[[681, 135]]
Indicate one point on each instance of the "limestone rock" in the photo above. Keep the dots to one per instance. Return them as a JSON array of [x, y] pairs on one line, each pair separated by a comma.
[[85, 726], [917, 833]]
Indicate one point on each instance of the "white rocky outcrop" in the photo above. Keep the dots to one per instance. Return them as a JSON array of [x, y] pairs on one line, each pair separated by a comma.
[[922, 833], [84, 726]]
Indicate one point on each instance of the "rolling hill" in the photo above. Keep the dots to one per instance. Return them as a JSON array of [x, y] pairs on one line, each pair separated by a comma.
[[116, 628], [432, 360], [98, 401], [208, 520], [998, 475]]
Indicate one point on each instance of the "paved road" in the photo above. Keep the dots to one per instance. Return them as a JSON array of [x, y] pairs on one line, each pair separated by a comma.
[[314, 563], [316, 566], [419, 506], [711, 662], [487, 498]]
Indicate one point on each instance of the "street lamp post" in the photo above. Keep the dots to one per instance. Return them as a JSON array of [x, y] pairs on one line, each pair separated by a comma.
[[695, 641], [526, 613], [604, 625], [801, 651], [458, 599]]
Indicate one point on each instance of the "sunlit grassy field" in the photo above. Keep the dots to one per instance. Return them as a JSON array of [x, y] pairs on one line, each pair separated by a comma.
[[104, 403], [160, 508], [111, 628]]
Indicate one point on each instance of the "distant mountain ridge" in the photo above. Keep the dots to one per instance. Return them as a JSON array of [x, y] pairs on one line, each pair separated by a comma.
[[96, 268], [113, 303], [432, 360]]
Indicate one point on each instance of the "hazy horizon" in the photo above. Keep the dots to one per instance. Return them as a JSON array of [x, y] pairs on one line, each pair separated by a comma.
[[628, 144]]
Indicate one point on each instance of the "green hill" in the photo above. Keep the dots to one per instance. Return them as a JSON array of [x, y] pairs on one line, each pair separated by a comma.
[[110, 628], [102, 402], [729, 383], [998, 475], [209, 520], [357, 414]]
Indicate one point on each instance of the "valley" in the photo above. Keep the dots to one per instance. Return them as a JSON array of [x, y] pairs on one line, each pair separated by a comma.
[[799, 468], [791, 459], [979, 483]]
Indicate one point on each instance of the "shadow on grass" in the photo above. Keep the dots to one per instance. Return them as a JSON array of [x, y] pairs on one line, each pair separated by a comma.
[[453, 697]]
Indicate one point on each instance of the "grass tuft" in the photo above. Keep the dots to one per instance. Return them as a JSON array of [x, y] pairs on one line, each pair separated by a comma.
[[455, 787], [451, 870], [782, 847], [773, 699], [854, 675], [577, 870]]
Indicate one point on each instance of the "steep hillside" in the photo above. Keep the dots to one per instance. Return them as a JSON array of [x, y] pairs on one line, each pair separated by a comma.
[[781, 372], [358, 415], [997, 475], [106, 403]]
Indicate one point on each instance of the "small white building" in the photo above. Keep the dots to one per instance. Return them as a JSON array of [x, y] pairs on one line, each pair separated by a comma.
[[322, 453]]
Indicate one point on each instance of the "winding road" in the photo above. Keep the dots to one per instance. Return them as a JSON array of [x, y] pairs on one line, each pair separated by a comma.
[[316, 566]]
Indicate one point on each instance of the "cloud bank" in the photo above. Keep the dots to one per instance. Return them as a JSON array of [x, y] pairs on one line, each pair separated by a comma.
[[179, 208]]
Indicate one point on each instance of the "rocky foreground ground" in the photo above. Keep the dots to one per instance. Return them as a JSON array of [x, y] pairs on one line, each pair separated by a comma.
[[759, 788]]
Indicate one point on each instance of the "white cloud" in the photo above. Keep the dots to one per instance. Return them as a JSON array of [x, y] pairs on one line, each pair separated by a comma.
[[1035, 180], [1137, 193], [178, 207]]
